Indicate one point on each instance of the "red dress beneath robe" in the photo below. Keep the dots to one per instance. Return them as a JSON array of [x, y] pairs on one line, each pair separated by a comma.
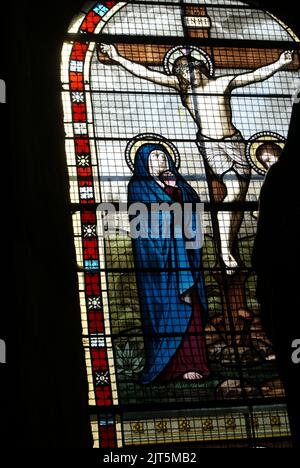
[[191, 355]]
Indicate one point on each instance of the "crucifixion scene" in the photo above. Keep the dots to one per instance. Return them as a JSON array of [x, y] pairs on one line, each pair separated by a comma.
[[190, 122]]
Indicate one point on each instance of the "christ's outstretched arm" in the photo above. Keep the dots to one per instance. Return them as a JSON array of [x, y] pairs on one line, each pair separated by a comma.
[[139, 70], [263, 73]]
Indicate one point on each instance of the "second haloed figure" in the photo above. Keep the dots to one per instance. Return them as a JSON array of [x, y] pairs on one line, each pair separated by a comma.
[[268, 154], [169, 276]]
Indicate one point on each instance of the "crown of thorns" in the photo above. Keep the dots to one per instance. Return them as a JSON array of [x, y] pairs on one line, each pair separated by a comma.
[[192, 63]]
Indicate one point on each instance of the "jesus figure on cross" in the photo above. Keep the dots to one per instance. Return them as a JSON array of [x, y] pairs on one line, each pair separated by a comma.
[[208, 100]]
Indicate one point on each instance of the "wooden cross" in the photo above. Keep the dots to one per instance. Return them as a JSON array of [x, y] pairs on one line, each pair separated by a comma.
[[198, 25]]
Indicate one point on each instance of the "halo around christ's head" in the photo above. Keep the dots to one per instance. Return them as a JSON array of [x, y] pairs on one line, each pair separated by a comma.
[[150, 138], [193, 52], [256, 142]]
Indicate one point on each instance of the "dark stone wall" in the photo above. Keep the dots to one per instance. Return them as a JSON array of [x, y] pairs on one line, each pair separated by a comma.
[[45, 352]]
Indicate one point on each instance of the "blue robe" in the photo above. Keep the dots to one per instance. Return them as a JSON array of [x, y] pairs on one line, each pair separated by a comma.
[[165, 270]]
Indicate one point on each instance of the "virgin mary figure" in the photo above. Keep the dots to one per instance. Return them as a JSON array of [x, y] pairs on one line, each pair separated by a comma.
[[169, 276]]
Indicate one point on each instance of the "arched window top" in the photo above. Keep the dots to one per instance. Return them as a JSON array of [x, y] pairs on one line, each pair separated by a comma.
[[231, 19], [218, 133]]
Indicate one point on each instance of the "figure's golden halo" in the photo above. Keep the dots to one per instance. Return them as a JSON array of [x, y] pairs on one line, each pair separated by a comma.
[[258, 140], [147, 139]]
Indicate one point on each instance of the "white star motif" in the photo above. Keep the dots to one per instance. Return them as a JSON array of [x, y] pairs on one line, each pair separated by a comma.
[[89, 230], [102, 378], [77, 97], [94, 303], [83, 160]]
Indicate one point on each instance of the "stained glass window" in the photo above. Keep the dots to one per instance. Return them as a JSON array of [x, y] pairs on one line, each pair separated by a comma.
[[185, 102]]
